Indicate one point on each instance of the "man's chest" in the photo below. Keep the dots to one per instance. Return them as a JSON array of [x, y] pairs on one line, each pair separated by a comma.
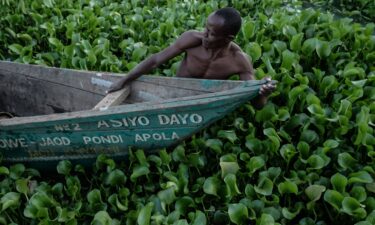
[[199, 63]]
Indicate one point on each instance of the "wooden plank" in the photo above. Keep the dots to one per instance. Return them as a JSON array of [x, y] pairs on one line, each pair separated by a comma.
[[112, 99]]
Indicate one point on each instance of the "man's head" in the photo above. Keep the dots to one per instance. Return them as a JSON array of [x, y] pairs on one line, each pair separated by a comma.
[[232, 20], [221, 27]]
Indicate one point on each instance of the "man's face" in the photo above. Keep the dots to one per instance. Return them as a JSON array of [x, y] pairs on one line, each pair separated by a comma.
[[214, 35]]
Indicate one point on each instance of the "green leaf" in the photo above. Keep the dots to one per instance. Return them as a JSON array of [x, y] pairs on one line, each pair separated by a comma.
[[292, 214], [228, 165], [288, 151], [182, 204], [360, 177], [289, 58], [16, 48], [178, 154], [238, 213], [295, 43], [339, 182], [289, 31], [230, 135], [330, 143], [22, 186], [16, 171], [4, 170], [139, 171], [371, 187], [316, 109], [266, 113], [181, 222], [55, 42], [64, 167], [316, 162], [266, 219], [346, 161], [371, 217], [345, 108], [199, 218], [48, 3], [254, 50], [63, 215], [255, 163], [167, 196], [294, 94], [248, 29], [94, 196], [115, 178], [139, 53], [304, 149], [309, 46], [214, 144], [328, 84], [280, 46], [323, 49], [353, 73], [288, 187], [211, 186], [101, 218], [231, 185], [10, 199], [164, 156], [362, 120], [144, 215], [352, 207], [314, 192], [359, 193], [334, 198], [264, 186]]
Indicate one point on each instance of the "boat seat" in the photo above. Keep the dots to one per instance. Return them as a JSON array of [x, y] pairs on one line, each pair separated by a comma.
[[114, 98]]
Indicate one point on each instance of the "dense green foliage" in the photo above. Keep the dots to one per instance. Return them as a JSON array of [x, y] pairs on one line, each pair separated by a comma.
[[306, 158], [361, 10]]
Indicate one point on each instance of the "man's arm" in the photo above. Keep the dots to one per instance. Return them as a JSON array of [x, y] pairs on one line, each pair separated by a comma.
[[248, 74], [185, 41]]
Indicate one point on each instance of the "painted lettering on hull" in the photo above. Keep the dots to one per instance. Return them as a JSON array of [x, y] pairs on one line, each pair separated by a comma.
[[13, 143], [124, 122], [109, 139], [156, 137], [54, 141], [180, 119]]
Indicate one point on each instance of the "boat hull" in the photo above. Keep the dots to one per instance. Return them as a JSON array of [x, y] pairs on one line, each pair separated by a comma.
[[83, 135]]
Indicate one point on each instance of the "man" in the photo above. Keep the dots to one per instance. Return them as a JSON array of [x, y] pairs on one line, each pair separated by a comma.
[[208, 55]]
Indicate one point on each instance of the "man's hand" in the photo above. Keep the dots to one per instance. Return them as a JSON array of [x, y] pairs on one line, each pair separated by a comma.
[[117, 85], [267, 88]]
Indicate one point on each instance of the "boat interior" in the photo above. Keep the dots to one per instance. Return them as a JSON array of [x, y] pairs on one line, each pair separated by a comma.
[[30, 90]]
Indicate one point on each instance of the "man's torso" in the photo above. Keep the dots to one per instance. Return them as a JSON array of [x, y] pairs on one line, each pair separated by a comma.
[[199, 62]]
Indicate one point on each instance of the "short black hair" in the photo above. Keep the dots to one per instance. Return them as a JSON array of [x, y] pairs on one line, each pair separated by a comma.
[[232, 20]]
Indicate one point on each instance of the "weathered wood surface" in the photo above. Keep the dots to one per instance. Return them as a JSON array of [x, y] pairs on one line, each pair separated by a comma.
[[167, 111], [114, 98]]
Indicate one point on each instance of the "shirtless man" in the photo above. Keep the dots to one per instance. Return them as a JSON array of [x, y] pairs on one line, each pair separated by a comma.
[[208, 55]]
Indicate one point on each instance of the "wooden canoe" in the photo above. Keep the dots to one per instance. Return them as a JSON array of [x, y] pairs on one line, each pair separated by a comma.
[[55, 120]]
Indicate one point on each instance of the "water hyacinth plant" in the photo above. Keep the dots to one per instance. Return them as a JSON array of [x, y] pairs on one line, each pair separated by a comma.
[[306, 158]]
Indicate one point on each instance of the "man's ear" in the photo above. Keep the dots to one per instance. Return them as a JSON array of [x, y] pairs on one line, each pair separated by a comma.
[[230, 37]]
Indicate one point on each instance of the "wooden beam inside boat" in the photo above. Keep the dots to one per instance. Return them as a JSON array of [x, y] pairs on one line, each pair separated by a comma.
[[114, 98]]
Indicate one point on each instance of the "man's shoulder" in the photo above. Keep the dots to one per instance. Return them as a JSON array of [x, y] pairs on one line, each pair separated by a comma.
[[235, 49], [193, 34], [189, 39], [238, 53]]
